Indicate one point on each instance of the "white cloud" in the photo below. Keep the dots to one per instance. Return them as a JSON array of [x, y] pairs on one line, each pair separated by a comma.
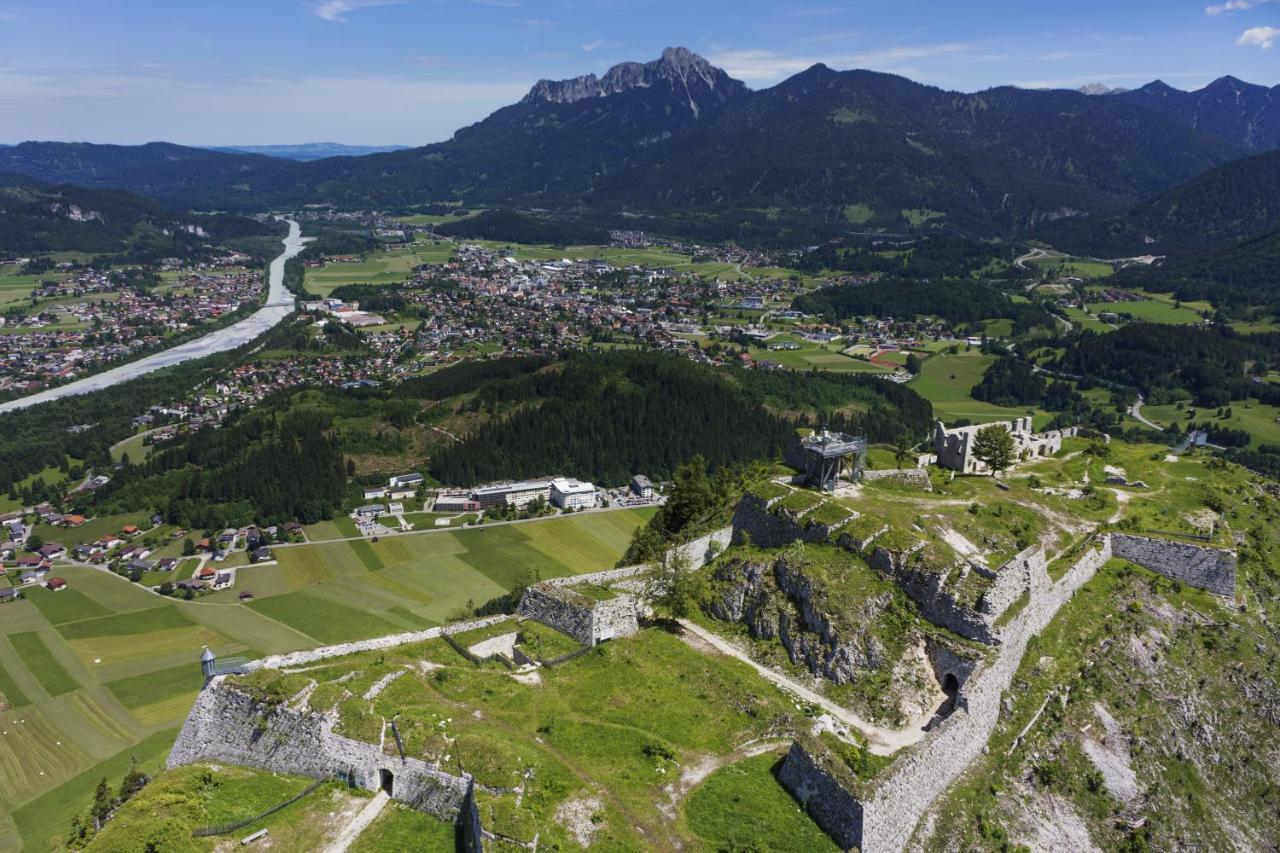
[[337, 10], [1233, 6], [593, 45], [1262, 37], [766, 65]]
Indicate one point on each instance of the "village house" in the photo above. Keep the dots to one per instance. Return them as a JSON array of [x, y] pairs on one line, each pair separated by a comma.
[[56, 584]]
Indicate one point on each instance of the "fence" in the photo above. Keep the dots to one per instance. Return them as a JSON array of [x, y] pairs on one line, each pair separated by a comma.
[[224, 828], [574, 655]]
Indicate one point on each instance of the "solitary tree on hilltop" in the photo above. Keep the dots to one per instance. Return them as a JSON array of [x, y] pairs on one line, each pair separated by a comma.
[[994, 446]]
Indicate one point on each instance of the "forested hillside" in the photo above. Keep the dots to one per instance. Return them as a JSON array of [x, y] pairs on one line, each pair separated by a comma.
[[264, 467], [955, 301], [607, 417], [37, 218]]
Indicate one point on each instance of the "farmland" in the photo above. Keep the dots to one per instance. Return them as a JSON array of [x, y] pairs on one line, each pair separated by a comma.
[[104, 669]]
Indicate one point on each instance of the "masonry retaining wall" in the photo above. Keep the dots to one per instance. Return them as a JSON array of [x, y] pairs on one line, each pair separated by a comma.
[[831, 806], [226, 725], [1212, 569], [889, 815]]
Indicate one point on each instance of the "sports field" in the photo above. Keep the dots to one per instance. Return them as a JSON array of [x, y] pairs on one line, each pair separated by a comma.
[[811, 355], [105, 669]]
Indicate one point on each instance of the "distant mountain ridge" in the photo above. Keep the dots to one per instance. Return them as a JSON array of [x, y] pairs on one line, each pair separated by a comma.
[[1243, 114], [307, 151], [678, 143], [693, 80]]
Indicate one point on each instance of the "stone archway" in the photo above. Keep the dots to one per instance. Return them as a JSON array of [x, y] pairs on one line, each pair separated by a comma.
[[386, 781]]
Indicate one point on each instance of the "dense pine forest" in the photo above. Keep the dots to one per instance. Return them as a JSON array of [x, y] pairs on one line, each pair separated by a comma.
[[607, 417], [954, 301], [264, 467], [1167, 362]]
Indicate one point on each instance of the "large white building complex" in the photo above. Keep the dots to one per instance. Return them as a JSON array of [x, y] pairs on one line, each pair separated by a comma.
[[569, 494]]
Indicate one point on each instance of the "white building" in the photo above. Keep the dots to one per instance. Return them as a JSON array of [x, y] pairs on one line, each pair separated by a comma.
[[518, 495], [572, 494], [409, 480]]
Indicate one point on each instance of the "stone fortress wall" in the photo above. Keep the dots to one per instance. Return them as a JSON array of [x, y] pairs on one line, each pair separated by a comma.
[[226, 725], [1211, 569], [888, 815], [953, 447]]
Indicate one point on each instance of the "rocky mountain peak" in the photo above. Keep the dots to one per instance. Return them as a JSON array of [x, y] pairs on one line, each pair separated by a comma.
[[1099, 89], [690, 77]]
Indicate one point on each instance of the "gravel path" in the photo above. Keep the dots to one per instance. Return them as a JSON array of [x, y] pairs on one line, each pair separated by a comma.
[[880, 740], [352, 830]]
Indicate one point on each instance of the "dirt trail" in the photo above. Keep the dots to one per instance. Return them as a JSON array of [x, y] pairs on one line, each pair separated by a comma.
[[352, 830]]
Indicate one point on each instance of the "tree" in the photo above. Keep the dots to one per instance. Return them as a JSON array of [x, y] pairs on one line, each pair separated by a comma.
[[188, 547], [994, 446], [133, 781], [103, 801], [902, 449], [914, 364], [674, 587]]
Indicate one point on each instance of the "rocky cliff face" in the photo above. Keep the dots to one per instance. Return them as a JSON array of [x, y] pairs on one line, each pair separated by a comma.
[[690, 79], [777, 601]]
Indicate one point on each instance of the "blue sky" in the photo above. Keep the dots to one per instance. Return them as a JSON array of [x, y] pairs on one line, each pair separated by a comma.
[[412, 71]]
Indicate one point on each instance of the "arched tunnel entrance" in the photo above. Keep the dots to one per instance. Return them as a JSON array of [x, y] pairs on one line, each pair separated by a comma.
[[951, 689], [386, 781]]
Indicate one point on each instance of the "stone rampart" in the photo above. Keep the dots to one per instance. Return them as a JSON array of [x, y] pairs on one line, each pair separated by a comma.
[[559, 608], [754, 521], [1212, 569], [830, 805], [226, 725], [916, 478], [890, 812], [1028, 570], [308, 656]]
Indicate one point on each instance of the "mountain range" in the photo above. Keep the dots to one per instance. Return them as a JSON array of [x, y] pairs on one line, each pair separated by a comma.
[[307, 151], [677, 140]]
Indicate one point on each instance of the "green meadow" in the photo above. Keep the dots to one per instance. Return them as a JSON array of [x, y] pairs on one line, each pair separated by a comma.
[[946, 380], [105, 669], [386, 267]]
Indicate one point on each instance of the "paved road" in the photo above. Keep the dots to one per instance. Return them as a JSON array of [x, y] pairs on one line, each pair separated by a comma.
[[880, 740], [280, 303], [1135, 412]]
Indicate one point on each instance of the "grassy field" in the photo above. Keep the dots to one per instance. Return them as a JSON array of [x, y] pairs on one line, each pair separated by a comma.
[[106, 669], [614, 725], [388, 267], [811, 355], [1149, 311], [402, 583], [1261, 421], [946, 380], [743, 807], [1077, 267]]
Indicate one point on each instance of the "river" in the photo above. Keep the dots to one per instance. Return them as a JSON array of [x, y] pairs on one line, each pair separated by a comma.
[[280, 303]]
